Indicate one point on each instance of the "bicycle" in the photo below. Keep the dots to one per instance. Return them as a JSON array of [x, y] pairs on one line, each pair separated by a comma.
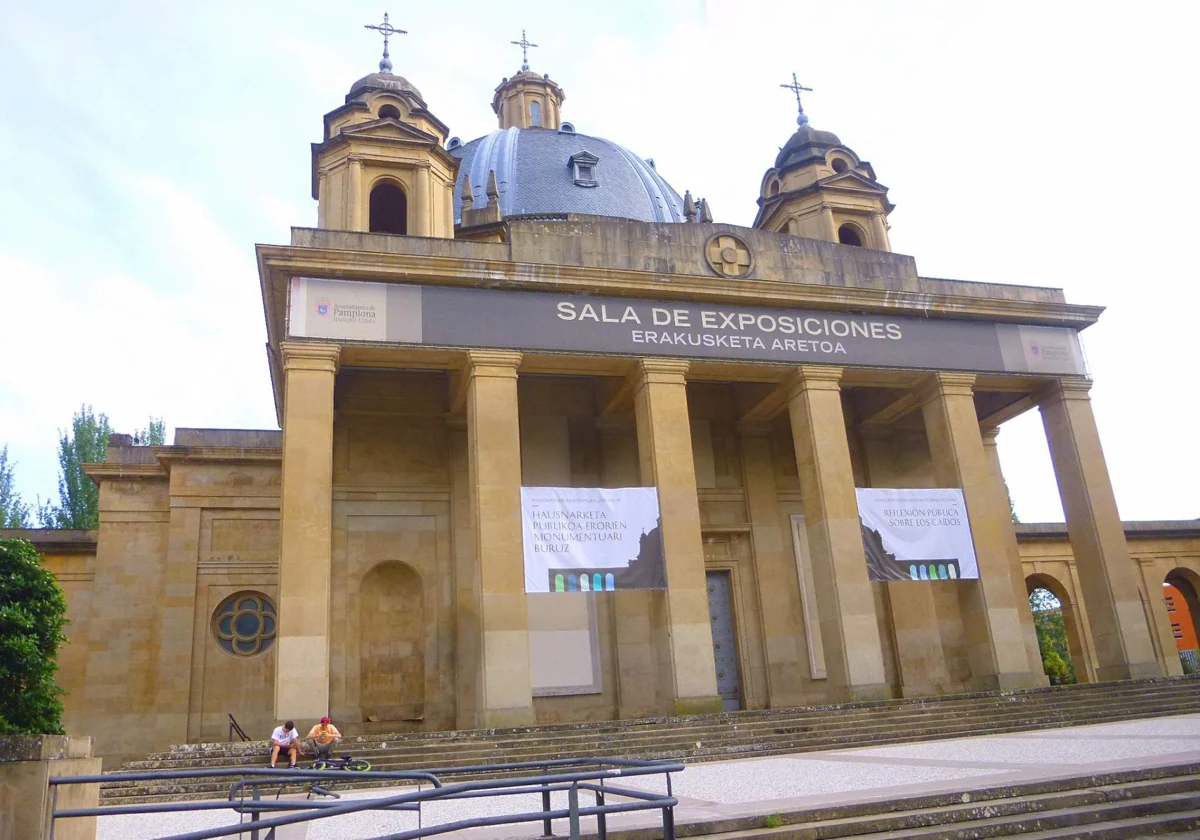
[[348, 762]]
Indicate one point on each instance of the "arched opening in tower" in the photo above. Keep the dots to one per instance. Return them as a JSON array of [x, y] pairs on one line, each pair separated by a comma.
[[389, 209], [849, 235]]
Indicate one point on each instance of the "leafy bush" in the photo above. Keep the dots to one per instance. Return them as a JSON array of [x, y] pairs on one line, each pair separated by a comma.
[[32, 614], [773, 821]]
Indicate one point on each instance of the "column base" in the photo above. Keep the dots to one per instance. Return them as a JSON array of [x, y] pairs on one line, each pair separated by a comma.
[[867, 693], [507, 718], [1009, 682], [1129, 671], [688, 706]]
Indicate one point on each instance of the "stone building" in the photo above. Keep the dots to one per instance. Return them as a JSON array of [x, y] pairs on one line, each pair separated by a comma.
[[539, 307]]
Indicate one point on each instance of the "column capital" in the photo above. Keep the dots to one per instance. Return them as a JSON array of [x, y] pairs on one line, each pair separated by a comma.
[[615, 424], [304, 356], [1066, 388], [499, 363], [754, 428], [989, 434], [945, 384], [661, 371], [815, 378]]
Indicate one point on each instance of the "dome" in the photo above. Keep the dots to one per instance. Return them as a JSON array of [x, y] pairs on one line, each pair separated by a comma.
[[535, 176], [807, 143], [382, 81]]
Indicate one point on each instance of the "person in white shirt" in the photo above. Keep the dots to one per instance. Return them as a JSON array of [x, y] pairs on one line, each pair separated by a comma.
[[285, 738]]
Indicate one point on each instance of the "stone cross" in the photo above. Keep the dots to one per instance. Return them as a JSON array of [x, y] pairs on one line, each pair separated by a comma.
[[796, 87], [385, 63], [524, 44]]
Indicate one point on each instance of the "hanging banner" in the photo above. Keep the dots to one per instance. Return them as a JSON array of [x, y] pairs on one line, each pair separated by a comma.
[[444, 316], [591, 539], [916, 534]]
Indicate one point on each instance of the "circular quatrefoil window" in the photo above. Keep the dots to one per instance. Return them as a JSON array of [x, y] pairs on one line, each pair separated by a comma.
[[244, 624]]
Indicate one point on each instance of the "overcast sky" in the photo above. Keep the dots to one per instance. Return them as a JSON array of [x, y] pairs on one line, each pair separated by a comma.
[[147, 146]]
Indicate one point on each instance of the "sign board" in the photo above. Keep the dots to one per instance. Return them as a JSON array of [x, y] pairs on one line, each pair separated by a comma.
[[916, 534], [591, 539], [351, 310]]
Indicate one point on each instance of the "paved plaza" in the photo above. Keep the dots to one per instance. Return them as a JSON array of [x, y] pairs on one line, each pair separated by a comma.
[[768, 785]]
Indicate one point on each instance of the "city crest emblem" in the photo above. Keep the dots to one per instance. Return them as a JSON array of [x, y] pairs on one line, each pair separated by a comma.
[[1034, 349], [322, 306]]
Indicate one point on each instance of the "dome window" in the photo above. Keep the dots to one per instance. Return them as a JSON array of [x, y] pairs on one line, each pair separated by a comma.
[[453, 143], [389, 112], [839, 165], [566, 128], [535, 114], [848, 234], [389, 209], [583, 169]]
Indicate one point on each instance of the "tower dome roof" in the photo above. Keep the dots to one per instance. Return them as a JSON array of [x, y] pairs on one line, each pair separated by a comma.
[[382, 81], [536, 175], [807, 143]]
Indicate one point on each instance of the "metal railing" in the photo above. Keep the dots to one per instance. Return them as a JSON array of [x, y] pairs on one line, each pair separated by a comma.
[[265, 815], [235, 727]]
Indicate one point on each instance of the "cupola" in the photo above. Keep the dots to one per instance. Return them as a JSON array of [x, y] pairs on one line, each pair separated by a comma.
[[382, 166], [820, 189], [528, 100]]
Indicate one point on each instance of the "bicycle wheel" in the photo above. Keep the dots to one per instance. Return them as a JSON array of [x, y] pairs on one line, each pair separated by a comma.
[[320, 764], [358, 765]]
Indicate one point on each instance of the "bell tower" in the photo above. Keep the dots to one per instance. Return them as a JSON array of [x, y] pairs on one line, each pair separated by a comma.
[[820, 189], [382, 166], [528, 100]]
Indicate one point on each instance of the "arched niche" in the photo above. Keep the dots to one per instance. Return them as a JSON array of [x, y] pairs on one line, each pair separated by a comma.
[[1072, 622], [1181, 591], [388, 208], [392, 643]]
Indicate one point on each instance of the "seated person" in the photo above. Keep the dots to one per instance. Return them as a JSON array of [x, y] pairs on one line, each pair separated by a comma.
[[286, 739], [322, 738]]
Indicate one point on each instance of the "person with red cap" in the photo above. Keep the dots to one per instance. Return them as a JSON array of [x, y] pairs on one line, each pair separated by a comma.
[[322, 738]]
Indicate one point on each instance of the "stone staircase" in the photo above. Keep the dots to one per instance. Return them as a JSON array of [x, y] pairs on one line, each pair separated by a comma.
[[1134, 803], [703, 738]]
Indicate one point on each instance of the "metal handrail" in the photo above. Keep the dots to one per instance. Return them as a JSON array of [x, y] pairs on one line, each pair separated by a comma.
[[251, 779], [234, 726]]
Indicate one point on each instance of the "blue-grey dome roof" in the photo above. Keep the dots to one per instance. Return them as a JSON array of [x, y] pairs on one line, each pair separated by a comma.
[[534, 174]]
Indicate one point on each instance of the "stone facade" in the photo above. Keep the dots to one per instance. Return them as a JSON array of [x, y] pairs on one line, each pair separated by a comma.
[[367, 560]]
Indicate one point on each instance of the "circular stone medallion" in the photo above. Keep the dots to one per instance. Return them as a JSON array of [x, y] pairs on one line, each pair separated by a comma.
[[728, 256]]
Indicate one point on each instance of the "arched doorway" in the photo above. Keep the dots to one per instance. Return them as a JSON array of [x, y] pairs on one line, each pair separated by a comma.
[[1183, 609], [392, 643], [1058, 630]]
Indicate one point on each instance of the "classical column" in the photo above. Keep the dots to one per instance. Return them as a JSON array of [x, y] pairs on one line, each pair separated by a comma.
[[1013, 552], [494, 453], [177, 618], [322, 198], [879, 234], [827, 225], [683, 633], [306, 531], [845, 601], [778, 581], [1120, 635], [995, 645], [467, 638], [419, 210], [355, 203], [637, 657]]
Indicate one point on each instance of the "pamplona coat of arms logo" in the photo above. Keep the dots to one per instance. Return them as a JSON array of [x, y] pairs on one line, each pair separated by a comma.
[[322, 305]]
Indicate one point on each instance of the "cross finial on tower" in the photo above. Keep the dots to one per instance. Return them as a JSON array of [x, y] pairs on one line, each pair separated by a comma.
[[524, 44], [796, 87], [385, 63]]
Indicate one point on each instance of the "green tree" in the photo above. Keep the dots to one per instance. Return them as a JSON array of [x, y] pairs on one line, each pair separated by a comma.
[[13, 512], [78, 497], [1012, 509], [32, 614], [1052, 637], [154, 434]]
